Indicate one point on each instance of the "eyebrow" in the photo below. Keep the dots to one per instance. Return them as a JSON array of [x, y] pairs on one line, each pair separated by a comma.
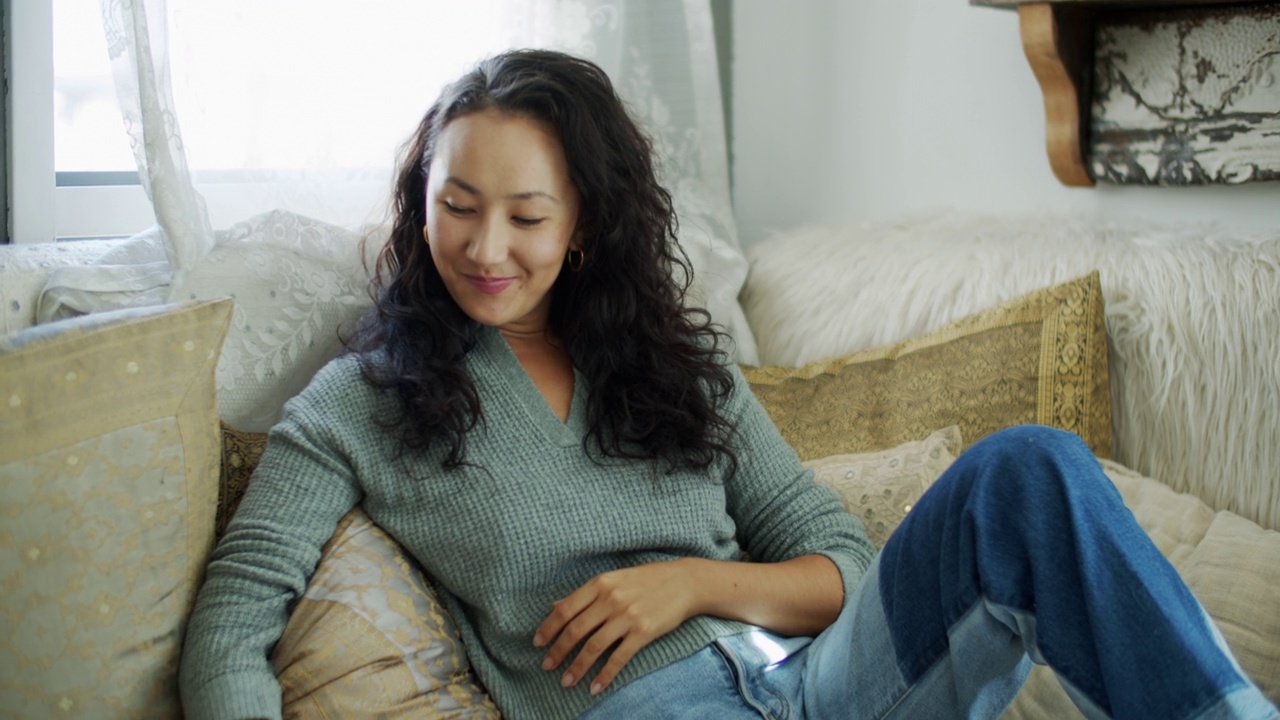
[[527, 195]]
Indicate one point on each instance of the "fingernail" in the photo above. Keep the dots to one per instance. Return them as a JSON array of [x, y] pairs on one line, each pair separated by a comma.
[[548, 663], [567, 680], [537, 641], [596, 688]]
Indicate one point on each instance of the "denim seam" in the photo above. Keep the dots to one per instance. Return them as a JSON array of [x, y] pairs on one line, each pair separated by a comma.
[[740, 678], [1220, 701], [888, 711], [934, 665]]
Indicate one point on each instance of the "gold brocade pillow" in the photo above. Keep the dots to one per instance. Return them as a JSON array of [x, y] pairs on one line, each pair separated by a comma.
[[1040, 358]]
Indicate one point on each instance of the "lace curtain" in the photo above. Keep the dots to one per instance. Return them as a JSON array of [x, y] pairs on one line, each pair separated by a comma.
[[317, 97]]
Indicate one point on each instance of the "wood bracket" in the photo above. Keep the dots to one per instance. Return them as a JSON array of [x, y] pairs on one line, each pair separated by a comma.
[[1058, 42]]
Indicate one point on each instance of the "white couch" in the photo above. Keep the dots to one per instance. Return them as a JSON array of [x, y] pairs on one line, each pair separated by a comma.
[[1193, 326], [1192, 318]]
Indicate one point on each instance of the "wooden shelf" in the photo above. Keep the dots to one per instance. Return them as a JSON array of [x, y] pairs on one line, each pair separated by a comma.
[[1058, 42], [1058, 39]]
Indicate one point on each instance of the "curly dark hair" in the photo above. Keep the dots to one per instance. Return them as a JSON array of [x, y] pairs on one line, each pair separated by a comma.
[[656, 368]]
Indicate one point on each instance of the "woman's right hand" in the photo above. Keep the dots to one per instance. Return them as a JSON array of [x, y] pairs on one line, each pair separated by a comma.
[[628, 609], [624, 610]]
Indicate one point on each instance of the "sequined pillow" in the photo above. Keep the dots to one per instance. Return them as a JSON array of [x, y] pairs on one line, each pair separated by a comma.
[[368, 639], [108, 482], [1041, 358], [881, 487]]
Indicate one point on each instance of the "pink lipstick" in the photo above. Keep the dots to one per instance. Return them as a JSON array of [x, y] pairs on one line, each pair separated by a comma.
[[489, 285]]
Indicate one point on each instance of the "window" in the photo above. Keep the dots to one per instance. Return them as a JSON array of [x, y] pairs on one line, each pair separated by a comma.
[[309, 98]]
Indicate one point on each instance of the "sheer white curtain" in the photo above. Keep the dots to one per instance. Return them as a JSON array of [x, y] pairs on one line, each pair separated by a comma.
[[296, 109], [661, 55]]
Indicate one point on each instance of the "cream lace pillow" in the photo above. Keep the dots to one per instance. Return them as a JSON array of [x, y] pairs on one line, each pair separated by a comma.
[[369, 639], [297, 282], [881, 487]]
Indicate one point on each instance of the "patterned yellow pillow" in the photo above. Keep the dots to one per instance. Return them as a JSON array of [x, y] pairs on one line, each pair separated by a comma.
[[108, 482], [1041, 358], [881, 487], [369, 639]]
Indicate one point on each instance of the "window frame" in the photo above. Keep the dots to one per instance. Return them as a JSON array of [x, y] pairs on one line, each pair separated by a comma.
[[43, 205], [29, 126]]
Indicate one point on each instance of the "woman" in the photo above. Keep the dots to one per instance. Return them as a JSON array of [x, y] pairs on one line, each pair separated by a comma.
[[529, 376]]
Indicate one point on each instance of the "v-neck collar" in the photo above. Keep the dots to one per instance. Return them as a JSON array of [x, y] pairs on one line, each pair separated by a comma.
[[495, 350]]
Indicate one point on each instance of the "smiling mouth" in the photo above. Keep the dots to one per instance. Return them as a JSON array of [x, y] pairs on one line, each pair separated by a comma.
[[489, 285]]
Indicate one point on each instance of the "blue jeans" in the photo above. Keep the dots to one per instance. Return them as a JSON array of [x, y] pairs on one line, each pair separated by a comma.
[[1021, 552]]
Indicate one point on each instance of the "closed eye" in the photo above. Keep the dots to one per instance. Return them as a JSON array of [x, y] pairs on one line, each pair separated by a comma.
[[456, 210], [526, 221]]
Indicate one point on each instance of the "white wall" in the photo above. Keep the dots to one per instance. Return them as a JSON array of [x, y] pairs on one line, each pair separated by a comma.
[[878, 109]]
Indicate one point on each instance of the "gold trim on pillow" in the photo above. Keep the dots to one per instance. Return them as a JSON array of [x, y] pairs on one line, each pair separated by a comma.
[[1040, 358]]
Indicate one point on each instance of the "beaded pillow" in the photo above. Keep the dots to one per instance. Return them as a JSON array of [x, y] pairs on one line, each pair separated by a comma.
[[880, 488]]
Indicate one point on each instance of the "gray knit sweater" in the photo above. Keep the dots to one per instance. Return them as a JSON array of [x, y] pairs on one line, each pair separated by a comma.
[[499, 543]]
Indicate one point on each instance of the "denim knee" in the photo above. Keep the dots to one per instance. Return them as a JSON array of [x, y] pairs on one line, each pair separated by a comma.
[[1021, 492], [1052, 460], [995, 525], [1024, 443]]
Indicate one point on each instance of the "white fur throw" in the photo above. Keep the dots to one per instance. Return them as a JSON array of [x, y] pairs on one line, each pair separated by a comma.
[[1193, 316]]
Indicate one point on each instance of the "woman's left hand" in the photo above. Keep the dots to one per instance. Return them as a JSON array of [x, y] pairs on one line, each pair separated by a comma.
[[623, 610]]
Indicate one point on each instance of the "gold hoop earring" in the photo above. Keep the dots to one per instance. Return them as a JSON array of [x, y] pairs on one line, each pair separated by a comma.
[[425, 238], [577, 259]]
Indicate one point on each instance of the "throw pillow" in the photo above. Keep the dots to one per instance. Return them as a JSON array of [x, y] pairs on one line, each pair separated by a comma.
[[1235, 573], [368, 636], [1192, 321], [241, 452], [369, 639], [24, 270], [1041, 358], [110, 479], [298, 283], [880, 488]]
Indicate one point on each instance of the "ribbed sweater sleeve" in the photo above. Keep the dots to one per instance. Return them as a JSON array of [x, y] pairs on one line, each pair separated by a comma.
[[780, 512], [264, 561]]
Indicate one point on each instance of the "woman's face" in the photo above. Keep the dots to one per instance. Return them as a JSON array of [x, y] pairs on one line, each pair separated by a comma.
[[501, 215]]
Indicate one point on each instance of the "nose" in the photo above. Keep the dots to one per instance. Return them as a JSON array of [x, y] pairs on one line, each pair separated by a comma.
[[488, 246]]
